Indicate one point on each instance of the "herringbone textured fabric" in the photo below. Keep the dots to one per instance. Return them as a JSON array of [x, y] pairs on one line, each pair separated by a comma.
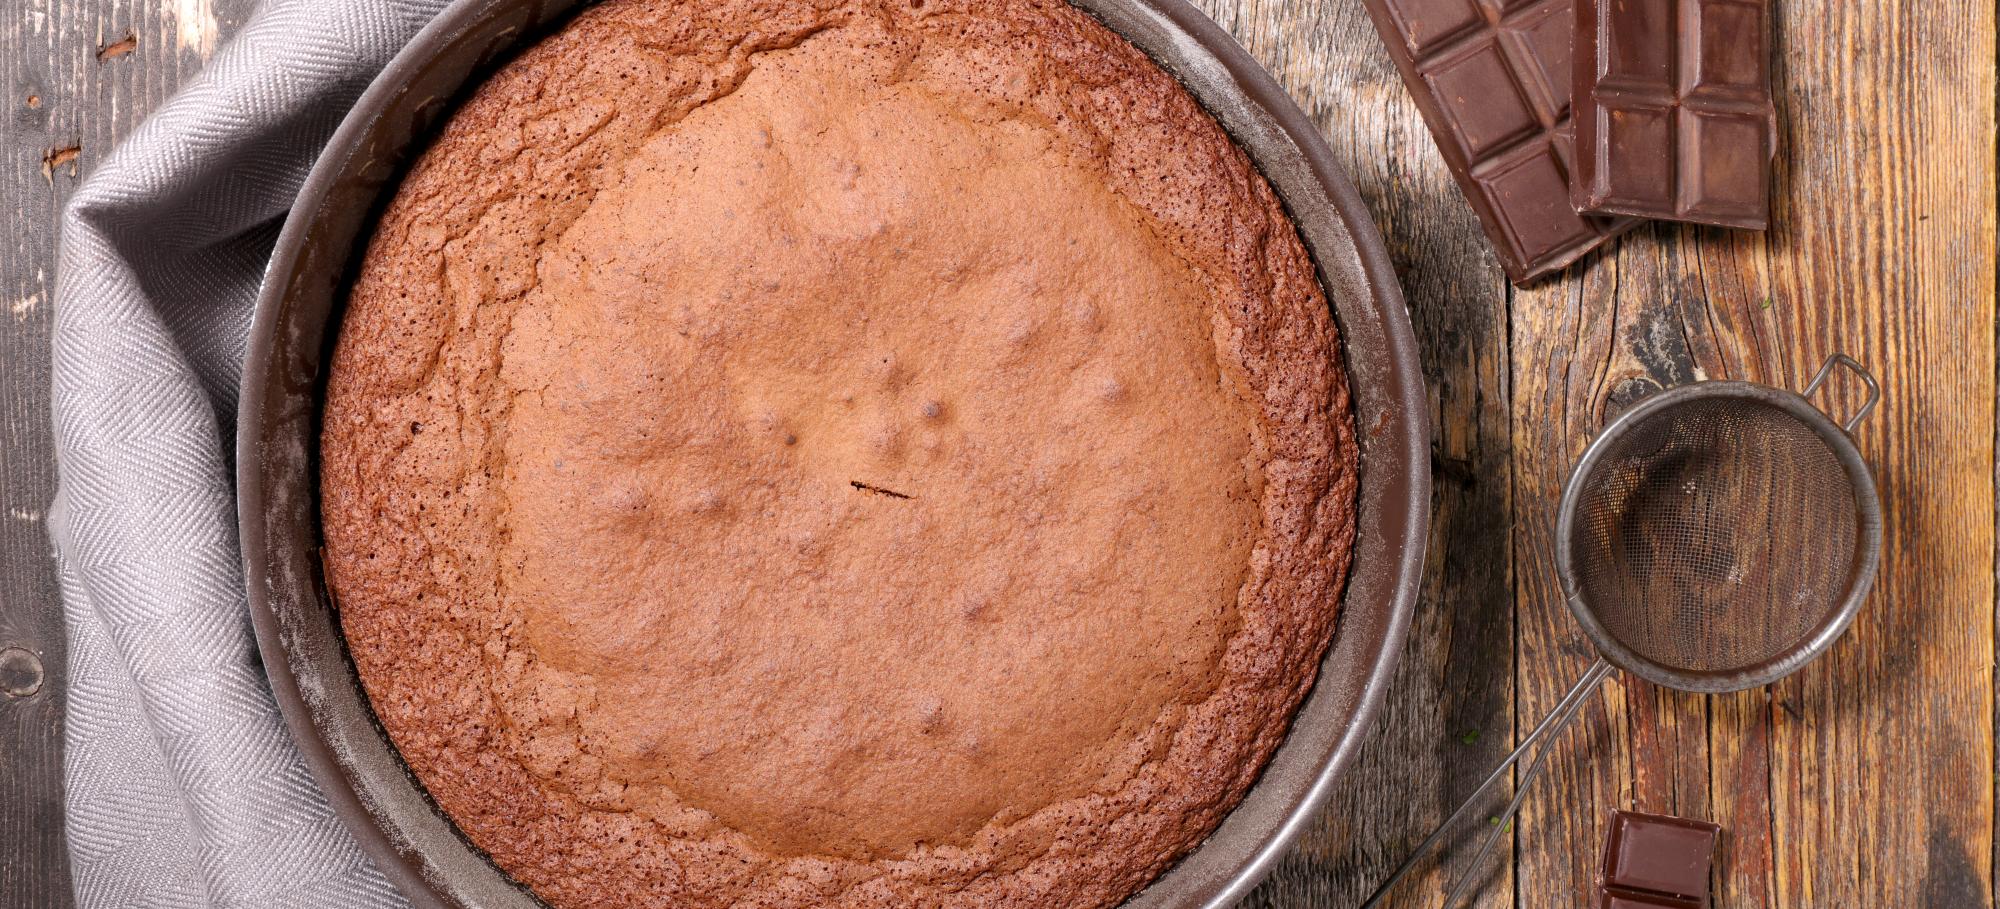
[[184, 789]]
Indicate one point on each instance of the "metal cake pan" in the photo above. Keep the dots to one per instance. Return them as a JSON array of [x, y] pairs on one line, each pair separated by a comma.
[[278, 425]]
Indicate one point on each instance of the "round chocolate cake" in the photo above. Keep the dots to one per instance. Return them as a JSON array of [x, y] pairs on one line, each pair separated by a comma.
[[838, 453]]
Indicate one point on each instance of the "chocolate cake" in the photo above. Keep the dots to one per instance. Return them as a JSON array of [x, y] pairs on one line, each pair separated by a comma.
[[836, 453]]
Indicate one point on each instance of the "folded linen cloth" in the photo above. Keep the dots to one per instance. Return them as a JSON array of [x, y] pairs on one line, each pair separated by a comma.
[[184, 788]]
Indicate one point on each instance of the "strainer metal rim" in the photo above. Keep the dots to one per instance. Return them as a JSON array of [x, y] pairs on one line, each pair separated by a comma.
[[1868, 541]]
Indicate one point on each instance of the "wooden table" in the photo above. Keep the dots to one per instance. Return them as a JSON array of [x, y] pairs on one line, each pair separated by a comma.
[[1867, 780]]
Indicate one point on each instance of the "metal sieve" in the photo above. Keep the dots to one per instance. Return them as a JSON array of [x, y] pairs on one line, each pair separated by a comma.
[[1715, 537]]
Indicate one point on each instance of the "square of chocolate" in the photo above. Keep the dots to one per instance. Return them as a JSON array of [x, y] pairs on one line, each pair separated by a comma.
[[1484, 103], [1525, 192], [1657, 855], [1426, 24]]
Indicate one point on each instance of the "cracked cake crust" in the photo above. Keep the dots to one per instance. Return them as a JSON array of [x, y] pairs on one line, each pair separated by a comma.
[[835, 453]]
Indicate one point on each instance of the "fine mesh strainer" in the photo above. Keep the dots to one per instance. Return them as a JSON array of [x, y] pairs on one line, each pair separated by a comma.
[[1715, 537]]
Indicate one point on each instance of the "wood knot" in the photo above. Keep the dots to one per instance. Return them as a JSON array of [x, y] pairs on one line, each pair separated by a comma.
[[1627, 392], [20, 672]]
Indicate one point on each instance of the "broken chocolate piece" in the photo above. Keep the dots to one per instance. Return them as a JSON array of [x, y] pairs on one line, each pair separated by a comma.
[[1650, 856]]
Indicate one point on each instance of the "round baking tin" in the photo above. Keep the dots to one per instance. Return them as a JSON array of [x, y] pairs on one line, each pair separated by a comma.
[[278, 430]]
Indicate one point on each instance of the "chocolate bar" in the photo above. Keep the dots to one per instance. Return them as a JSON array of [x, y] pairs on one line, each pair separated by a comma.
[[1492, 78], [1674, 115], [1653, 860]]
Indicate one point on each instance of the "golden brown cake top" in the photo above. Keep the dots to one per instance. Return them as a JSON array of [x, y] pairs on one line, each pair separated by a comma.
[[841, 453]]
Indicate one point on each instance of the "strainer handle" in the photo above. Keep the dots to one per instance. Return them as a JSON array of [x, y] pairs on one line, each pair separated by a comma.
[[1560, 717], [1826, 371], [1557, 719]]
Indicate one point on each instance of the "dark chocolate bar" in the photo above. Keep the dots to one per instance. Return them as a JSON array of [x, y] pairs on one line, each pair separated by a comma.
[[1492, 78], [1674, 116], [1652, 856]]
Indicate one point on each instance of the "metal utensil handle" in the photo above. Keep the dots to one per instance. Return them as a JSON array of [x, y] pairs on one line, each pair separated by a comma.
[[1561, 717], [1556, 718], [1874, 390]]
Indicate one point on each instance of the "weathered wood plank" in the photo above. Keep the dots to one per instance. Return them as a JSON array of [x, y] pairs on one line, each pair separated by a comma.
[[1449, 715], [77, 75], [1895, 131], [1867, 779]]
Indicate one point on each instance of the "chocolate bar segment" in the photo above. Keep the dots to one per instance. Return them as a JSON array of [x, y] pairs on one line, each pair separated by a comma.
[[1674, 114], [1492, 78], [1652, 855]]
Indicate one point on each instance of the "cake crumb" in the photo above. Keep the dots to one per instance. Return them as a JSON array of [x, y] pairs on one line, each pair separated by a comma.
[[118, 48], [57, 158]]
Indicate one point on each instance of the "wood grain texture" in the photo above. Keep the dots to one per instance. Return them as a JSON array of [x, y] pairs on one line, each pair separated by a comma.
[[1867, 780], [77, 75]]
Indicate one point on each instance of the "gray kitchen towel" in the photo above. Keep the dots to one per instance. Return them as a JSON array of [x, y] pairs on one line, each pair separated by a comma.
[[184, 787]]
